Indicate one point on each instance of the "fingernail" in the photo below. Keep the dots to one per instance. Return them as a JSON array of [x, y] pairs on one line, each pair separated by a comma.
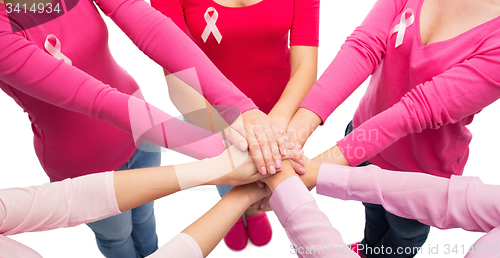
[[285, 138], [302, 170], [272, 170], [278, 163], [301, 152], [301, 162], [243, 145], [293, 144], [281, 132], [263, 170], [283, 152]]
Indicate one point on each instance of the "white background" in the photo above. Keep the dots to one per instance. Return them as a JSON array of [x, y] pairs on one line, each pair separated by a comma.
[[20, 166]]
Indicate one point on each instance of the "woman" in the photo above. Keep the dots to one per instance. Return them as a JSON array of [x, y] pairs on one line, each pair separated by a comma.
[[87, 113], [459, 202], [434, 66], [248, 41]]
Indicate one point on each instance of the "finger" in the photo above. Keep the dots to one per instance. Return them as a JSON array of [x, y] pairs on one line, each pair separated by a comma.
[[271, 138], [256, 153], [299, 169], [281, 138], [236, 138], [265, 149], [265, 203]]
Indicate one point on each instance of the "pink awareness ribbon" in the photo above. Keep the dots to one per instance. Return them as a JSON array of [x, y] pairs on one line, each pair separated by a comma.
[[211, 28], [56, 51], [401, 27]]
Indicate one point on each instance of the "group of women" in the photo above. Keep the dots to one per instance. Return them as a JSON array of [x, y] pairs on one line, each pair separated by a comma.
[[433, 65]]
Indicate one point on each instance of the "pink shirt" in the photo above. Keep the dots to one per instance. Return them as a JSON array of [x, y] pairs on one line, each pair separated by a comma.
[[420, 98], [80, 113], [459, 202], [253, 52], [67, 204]]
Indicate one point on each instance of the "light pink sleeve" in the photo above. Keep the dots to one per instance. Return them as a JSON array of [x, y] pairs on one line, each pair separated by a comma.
[[307, 227], [486, 246], [57, 205], [181, 246], [459, 202], [358, 57]]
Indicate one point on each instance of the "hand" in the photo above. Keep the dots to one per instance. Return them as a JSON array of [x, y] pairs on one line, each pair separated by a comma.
[[310, 178], [241, 165], [255, 131], [249, 193]]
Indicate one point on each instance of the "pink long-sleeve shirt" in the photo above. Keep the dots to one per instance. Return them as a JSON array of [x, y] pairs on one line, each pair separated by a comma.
[[83, 118], [459, 202], [420, 99], [66, 204], [254, 49]]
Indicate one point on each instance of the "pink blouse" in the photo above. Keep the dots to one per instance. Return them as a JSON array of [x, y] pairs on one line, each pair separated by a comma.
[[459, 202]]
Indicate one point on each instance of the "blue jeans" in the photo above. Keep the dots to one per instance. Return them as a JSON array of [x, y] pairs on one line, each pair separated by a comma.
[[131, 234], [223, 189], [384, 230]]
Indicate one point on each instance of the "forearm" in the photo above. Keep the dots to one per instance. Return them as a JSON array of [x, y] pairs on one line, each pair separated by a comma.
[[217, 221], [444, 203], [303, 76], [302, 125]]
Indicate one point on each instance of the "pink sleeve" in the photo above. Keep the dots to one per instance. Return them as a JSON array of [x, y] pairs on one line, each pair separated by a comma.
[[446, 99], [159, 38], [68, 87], [358, 57], [486, 246], [459, 202], [305, 27], [57, 205], [307, 227], [181, 246], [172, 9]]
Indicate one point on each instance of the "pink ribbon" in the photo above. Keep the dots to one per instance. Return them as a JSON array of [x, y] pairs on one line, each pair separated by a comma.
[[401, 27], [56, 51], [211, 28]]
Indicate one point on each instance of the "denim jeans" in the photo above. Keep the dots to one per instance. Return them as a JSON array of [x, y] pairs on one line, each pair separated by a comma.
[[131, 234], [386, 231], [223, 189]]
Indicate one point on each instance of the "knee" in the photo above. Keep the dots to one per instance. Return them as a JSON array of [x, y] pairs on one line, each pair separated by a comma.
[[408, 229]]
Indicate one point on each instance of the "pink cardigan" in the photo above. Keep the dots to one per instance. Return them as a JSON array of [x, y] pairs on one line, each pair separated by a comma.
[[83, 116], [420, 99], [459, 202]]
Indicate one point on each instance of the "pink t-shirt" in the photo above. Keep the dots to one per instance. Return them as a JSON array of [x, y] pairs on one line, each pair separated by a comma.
[[82, 114], [253, 52], [420, 99]]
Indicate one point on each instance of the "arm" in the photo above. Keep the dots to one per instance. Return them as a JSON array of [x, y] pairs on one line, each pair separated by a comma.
[[97, 196], [304, 38], [446, 99], [463, 202], [305, 225], [358, 57]]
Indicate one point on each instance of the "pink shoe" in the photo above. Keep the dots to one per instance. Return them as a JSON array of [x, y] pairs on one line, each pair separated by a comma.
[[354, 248], [236, 239], [259, 229]]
